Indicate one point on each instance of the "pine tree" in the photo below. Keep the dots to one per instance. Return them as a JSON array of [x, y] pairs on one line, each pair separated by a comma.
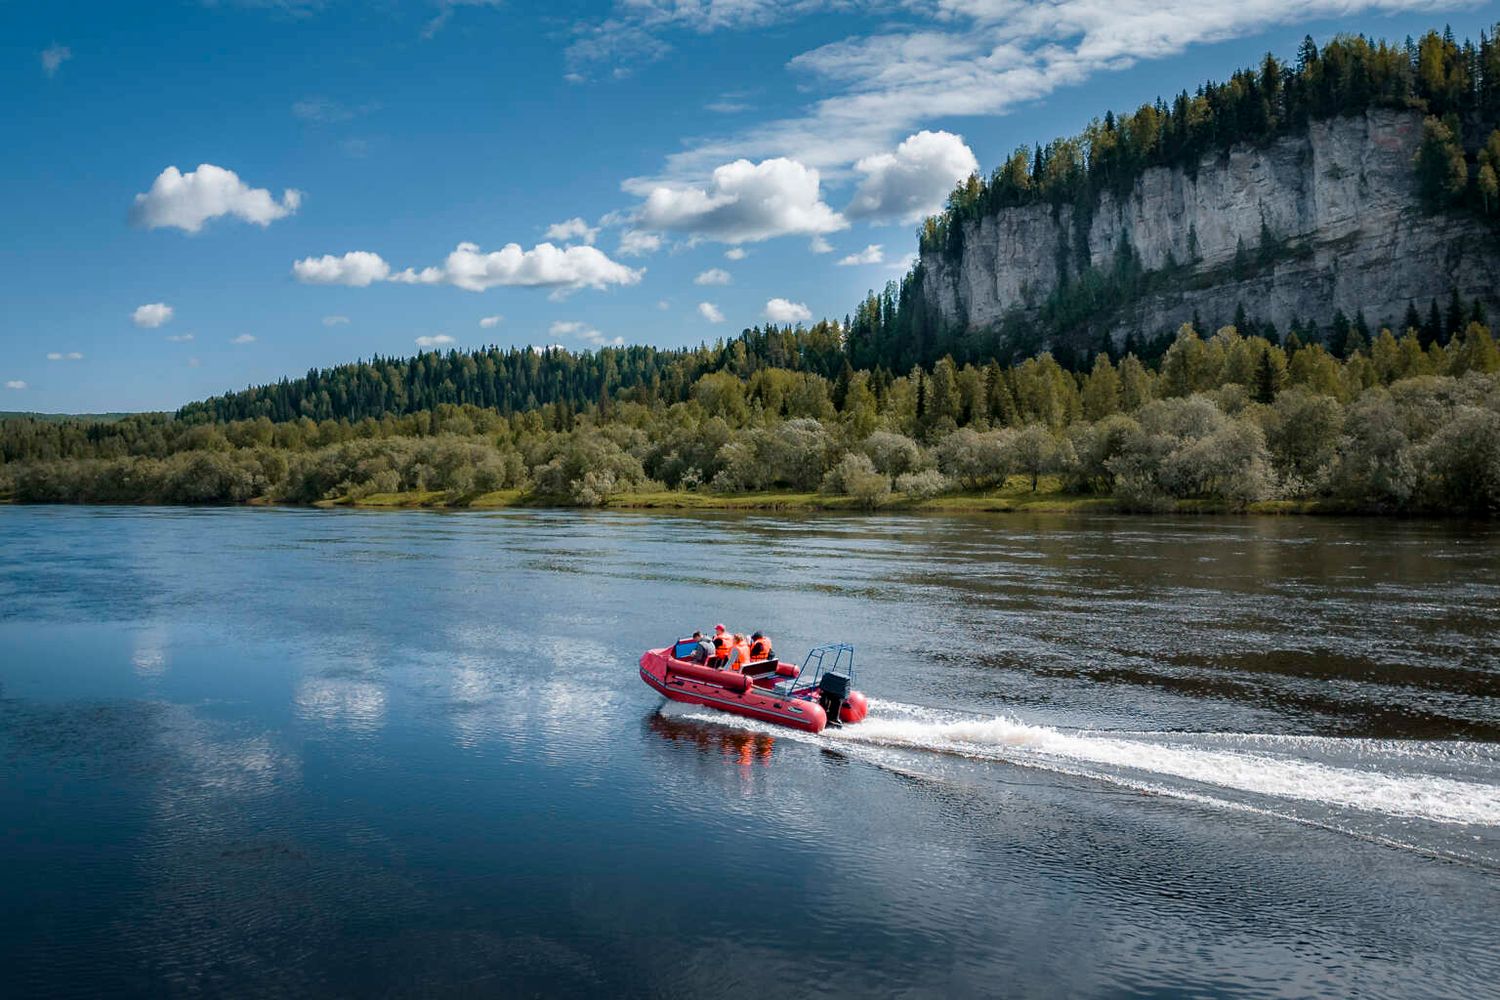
[[1457, 317]]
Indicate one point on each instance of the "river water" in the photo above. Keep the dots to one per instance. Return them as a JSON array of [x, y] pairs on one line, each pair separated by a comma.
[[261, 751]]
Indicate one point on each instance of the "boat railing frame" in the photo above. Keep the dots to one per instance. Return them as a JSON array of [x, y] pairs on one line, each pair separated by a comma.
[[818, 659]]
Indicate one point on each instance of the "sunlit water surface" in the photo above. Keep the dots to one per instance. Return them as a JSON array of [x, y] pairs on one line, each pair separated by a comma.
[[362, 753]]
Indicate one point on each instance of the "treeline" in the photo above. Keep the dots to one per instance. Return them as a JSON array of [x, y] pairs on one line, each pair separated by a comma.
[[520, 379], [1395, 426]]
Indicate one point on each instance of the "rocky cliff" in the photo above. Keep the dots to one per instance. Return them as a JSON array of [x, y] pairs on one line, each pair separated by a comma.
[[1338, 205]]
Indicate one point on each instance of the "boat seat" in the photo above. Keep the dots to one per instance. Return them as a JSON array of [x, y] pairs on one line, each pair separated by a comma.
[[760, 667]]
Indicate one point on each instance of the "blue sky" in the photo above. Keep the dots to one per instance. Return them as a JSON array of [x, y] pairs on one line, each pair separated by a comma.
[[203, 196]]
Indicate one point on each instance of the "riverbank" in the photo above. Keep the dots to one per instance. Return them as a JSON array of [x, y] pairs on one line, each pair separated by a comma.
[[1015, 497]]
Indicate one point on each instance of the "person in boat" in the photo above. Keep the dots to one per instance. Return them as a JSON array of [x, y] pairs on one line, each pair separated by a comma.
[[703, 650], [722, 642], [760, 648], [738, 655]]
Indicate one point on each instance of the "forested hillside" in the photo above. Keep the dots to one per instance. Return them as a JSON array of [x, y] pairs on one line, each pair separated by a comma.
[[1231, 420], [1233, 195]]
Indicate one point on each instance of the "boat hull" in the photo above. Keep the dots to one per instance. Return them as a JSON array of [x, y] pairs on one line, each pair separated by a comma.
[[728, 691]]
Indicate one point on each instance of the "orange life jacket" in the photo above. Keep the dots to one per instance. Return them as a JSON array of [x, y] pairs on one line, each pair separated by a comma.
[[744, 649], [760, 649], [722, 645]]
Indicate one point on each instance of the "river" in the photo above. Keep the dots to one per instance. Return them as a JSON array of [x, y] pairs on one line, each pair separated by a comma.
[[273, 751]]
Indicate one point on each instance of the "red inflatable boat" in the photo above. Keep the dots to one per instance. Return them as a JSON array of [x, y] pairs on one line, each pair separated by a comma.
[[810, 697]]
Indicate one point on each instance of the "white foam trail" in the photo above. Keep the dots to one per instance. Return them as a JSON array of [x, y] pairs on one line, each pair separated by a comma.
[[1406, 795]]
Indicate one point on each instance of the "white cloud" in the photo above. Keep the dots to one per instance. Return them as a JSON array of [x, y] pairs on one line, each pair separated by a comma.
[[629, 35], [244, 338], [194, 363], [357, 268], [736, 253], [490, 322], [914, 181], [60, 356], [872, 254], [335, 320], [53, 56], [743, 203], [544, 265], [571, 230], [322, 111], [583, 332], [786, 311], [445, 12], [187, 201], [663, 305], [151, 315], [819, 245], [437, 340], [713, 276], [15, 383], [710, 312], [635, 243], [179, 338]]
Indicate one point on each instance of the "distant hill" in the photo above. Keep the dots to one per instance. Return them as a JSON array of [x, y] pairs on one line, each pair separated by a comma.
[[57, 418]]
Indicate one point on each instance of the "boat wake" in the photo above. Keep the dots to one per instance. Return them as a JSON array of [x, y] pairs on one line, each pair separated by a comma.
[[1437, 797]]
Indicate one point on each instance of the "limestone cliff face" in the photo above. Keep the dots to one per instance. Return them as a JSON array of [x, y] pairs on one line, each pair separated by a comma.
[[1340, 201]]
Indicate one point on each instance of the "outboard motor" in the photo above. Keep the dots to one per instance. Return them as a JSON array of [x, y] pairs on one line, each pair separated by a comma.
[[833, 688]]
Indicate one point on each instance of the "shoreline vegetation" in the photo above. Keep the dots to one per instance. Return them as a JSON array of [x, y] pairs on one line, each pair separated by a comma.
[[1231, 423], [1013, 498]]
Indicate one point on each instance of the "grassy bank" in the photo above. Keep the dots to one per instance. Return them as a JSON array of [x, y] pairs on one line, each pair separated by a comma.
[[1015, 496]]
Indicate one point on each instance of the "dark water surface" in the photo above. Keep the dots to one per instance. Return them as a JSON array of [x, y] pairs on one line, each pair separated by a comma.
[[364, 753]]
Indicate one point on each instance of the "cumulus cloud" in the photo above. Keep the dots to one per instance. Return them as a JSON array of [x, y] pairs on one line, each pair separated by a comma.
[[61, 356], [912, 182], [635, 243], [663, 305], [187, 201], [335, 320], [819, 245], [786, 311], [53, 56], [357, 268], [151, 315], [872, 254], [244, 338], [179, 338], [15, 383], [713, 276], [437, 340], [583, 332], [736, 253], [545, 266], [572, 230], [194, 363], [744, 202], [490, 322], [710, 312]]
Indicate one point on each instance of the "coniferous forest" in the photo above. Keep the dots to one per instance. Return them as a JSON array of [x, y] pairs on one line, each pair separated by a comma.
[[1332, 413]]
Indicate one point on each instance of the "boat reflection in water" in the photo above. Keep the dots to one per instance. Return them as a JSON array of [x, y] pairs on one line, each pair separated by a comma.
[[737, 745]]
